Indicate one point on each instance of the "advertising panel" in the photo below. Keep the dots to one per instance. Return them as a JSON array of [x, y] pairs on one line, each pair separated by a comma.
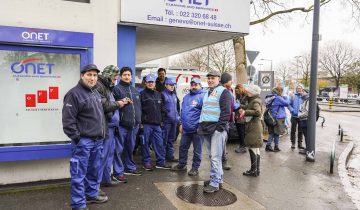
[[34, 85], [217, 15]]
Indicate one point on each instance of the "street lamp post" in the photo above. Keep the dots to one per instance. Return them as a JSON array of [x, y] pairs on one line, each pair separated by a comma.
[[271, 62], [297, 68]]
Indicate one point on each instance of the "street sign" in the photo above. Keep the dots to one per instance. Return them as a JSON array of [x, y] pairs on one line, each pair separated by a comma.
[[265, 82], [251, 55], [251, 70]]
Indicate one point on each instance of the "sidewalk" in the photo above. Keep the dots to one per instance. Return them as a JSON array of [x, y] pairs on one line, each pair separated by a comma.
[[286, 181]]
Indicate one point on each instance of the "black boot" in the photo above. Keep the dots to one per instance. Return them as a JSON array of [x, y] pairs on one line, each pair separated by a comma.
[[269, 148], [252, 171], [258, 165], [276, 148]]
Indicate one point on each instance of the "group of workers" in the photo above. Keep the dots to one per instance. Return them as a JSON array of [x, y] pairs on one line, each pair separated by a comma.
[[103, 113]]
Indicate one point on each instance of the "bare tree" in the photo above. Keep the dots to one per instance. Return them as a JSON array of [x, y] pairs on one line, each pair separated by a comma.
[[283, 72], [352, 77], [222, 57], [263, 11], [197, 58], [302, 65], [336, 59]]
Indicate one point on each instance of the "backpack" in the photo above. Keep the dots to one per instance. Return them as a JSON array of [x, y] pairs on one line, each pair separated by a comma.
[[269, 119]]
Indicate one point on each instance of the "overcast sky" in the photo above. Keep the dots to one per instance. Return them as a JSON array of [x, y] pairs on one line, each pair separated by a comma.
[[280, 43]]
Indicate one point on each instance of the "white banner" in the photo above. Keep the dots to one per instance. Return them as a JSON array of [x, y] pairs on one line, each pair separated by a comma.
[[217, 15], [33, 87]]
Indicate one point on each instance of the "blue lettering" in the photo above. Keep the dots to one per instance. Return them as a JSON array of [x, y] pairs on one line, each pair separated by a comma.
[[31, 68], [40, 68], [196, 2], [15, 65], [30, 65]]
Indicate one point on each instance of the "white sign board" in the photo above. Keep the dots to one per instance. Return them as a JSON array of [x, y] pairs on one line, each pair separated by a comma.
[[34, 85], [217, 15], [344, 89]]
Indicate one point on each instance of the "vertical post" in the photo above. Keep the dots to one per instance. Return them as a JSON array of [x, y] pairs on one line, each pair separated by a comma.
[[126, 48], [311, 124], [271, 65]]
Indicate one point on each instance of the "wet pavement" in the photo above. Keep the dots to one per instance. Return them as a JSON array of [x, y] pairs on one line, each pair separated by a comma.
[[286, 181]]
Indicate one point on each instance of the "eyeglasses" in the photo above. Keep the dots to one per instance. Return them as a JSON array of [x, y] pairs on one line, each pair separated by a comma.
[[150, 82]]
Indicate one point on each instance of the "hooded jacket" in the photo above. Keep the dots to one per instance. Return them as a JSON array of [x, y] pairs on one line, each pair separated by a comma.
[[277, 105], [191, 110]]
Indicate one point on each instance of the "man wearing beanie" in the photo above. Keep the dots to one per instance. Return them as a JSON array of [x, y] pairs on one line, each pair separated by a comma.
[[214, 118], [226, 81]]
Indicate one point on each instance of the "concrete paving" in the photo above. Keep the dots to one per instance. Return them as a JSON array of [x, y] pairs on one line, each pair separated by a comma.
[[286, 181]]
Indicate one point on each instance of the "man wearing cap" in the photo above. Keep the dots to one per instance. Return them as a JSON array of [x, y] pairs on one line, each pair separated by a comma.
[[130, 118], [105, 84], [151, 117], [170, 118], [190, 115], [84, 123], [215, 115]]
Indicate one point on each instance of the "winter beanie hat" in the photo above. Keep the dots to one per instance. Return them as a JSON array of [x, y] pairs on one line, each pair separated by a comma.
[[225, 77]]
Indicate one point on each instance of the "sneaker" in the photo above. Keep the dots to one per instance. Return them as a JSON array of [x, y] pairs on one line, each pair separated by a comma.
[[97, 199], [148, 167], [173, 160], [133, 173], [206, 183], [210, 189], [302, 151], [240, 149], [226, 166], [108, 184], [293, 145], [193, 172], [276, 148], [101, 193], [120, 179], [165, 166], [177, 167]]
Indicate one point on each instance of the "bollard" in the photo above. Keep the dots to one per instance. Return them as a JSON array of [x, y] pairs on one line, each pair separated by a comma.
[[341, 135], [339, 129], [332, 158], [330, 103]]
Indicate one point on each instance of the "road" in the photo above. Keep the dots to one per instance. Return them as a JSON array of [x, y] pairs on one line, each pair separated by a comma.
[[350, 123]]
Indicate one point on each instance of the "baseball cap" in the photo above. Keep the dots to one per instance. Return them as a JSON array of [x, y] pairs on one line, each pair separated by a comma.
[[89, 67], [195, 80], [150, 78], [169, 81], [213, 73]]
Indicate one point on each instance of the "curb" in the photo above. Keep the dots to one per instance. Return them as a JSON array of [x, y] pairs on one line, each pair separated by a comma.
[[342, 169]]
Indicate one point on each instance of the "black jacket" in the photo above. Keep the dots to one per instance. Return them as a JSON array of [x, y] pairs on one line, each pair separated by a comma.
[[151, 105], [83, 114], [130, 114], [104, 88]]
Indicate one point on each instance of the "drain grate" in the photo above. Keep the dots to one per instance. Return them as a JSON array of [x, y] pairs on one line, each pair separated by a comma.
[[194, 194]]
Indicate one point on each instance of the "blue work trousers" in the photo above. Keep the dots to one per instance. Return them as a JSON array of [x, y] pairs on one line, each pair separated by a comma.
[[128, 137], [107, 157], [215, 146], [169, 132], [85, 165], [153, 135], [118, 166], [185, 142]]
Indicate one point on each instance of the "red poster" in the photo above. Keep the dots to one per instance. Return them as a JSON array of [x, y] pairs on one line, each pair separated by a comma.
[[42, 96], [30, 100], [53, 92]]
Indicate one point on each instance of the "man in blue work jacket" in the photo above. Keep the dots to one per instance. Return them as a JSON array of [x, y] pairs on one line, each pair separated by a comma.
[[84, 123], [151, 117], [171, 118], [215, 115], [190, 115], [130, 118], [294, 107]]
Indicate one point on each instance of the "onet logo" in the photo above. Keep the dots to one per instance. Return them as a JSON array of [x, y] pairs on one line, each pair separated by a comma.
[[29, 67], [192, 2], [35, 36]]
